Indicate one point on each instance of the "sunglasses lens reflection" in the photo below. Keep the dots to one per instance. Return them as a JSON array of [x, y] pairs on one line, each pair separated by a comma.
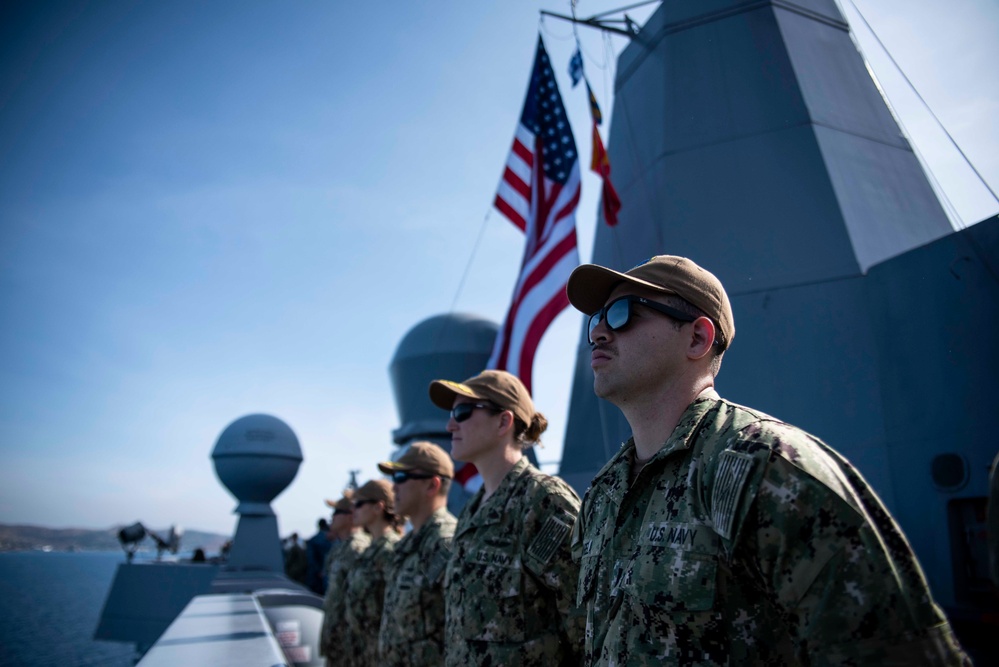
[[462, 411], [616, 316]]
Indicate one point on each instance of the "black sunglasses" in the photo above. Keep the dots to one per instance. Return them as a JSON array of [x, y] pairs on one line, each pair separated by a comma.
[[403, 476], [617, 314], [340, 512], [463, 411], [361, 503]]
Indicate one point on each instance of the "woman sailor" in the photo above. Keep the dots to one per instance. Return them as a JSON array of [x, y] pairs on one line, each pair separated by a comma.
[[510, 584], [374, 511]]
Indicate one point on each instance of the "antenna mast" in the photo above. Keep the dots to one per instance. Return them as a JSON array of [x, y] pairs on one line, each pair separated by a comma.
[[630, 29]]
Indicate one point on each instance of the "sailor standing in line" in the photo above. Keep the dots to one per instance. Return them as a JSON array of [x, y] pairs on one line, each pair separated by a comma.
[[510, 583], [333, 536], [335, 642], [718, 534], [412, 629], [374, 510]]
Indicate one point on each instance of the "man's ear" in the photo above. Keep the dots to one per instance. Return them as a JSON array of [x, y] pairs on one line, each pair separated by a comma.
[[702, 337]]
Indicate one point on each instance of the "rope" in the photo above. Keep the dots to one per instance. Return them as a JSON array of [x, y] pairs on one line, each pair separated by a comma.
[[928, 109], [471, 258]]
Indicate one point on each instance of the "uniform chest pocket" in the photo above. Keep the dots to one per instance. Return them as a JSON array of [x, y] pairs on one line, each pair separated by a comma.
[[669, 597], [673, 580], [406, 605], [495, 613]]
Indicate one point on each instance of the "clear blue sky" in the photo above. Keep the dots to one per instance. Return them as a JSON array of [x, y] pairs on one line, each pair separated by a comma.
[[214, 209]]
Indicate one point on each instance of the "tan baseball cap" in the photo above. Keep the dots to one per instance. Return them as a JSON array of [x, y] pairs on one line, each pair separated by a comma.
[[590, 285], [345, 504], [425, 456], [501, 388], [377, 489]]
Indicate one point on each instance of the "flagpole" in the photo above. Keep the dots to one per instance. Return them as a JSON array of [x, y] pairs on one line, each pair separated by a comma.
[[630, 30]]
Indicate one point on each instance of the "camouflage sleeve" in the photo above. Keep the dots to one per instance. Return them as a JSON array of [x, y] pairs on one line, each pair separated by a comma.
[[435, 555], [576, 538], [821, 561], [548, 556], [346, 554], [331, 600]]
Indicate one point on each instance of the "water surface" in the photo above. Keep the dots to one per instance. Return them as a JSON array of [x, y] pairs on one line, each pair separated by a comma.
[[49, 607]]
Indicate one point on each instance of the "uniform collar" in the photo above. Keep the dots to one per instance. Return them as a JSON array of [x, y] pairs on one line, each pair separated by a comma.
[[613, 479], [493, 509], [411, 541]]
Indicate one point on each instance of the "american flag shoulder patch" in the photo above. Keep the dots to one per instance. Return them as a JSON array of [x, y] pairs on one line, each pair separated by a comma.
[[733, 471], [437, 565], [551, 536]]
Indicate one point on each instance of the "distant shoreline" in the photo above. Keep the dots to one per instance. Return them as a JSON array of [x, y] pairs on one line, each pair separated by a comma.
[[22, 538]]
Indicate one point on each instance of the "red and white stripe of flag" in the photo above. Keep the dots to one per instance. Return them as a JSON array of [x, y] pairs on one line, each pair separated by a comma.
[[546, 212]]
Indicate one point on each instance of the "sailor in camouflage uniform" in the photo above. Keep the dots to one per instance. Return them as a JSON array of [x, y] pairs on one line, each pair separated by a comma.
[[717, 534], [334, 540], [335, 642], [412, 629], [374, 510], [510, 584]]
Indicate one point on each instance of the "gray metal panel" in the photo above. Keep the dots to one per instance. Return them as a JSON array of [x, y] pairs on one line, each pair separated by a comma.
[[256, 545], [685, 11], [711, 100], [833, 79], [145, 598], [217, 630], [760, 211], [935, 312], [808, 355], [679, 14], [886, 203], [234, 581], [708, 83]]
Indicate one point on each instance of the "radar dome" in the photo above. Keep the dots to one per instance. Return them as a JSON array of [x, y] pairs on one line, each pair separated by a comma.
[[256, 458], [453, 346]]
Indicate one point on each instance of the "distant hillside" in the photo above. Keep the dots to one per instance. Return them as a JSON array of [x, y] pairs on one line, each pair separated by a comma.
[[26, 538]]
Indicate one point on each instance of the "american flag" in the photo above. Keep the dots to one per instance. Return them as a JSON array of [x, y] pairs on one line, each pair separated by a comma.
[[539, 192]]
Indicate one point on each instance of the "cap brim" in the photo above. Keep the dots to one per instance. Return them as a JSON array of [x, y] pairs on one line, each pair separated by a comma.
[[330, 503], [442, 393], [390, 467], [590, 285]]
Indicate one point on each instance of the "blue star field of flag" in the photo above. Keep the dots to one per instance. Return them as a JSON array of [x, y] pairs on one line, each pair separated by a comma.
[[545, 116]]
